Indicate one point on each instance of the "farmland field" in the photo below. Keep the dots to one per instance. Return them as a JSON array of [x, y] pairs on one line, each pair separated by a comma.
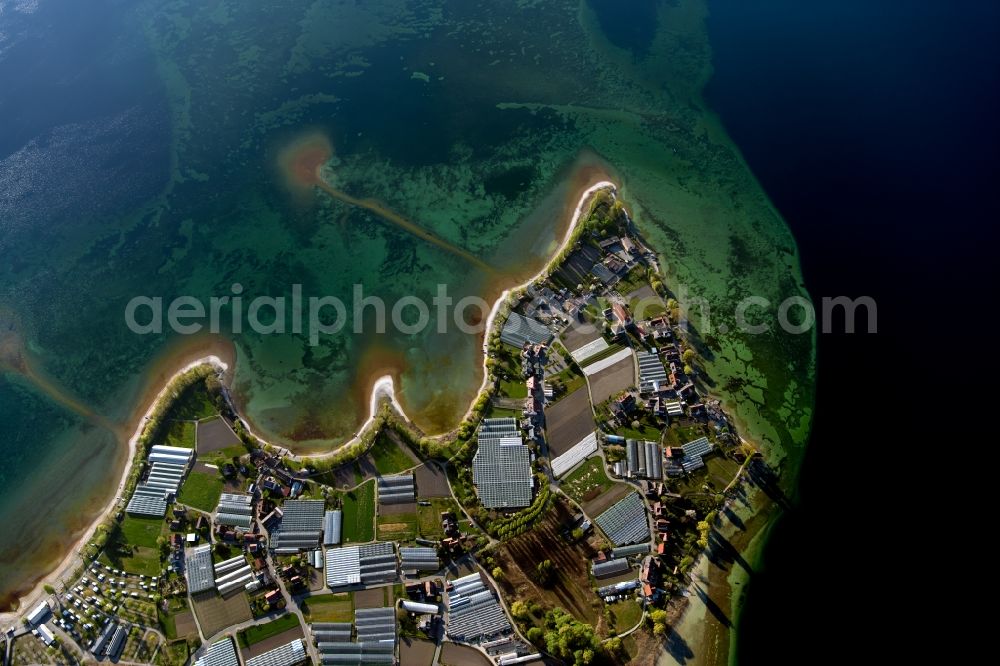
[[260, 632], [567, 422], [587, 481], [572, 588], [215, 613], [328, 608], [359, 514], [215, 435], [397, 527]]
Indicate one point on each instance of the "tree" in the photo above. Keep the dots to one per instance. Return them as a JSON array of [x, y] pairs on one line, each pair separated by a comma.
[[688, 356], [545, 573], [577, 534], [497, 574], [688, 370], [49, 589], [519, 610], [659, 619], [536, 635], [569, 639], [704, 527]]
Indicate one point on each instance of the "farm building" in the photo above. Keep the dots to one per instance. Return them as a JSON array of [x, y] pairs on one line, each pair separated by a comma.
[[361, 565], [396, 489], [235, 510], [625, 522], [473, 611], [221, 653], [501, 468], [302, 523]]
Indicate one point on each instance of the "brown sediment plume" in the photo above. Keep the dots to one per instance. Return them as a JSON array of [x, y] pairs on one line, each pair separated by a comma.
[[14, 357], [301, 163]]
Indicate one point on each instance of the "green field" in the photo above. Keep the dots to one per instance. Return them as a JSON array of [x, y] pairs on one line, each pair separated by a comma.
[[201, 491], [388, 457], [140, 531], [585, 479], [397, 527], [144, 561], [220, 457], [181, 433], [257, 633], [133, 547], [328, 608], [359, 514]]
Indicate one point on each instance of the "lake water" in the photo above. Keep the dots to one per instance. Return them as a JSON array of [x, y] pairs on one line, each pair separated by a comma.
[[140, 157]]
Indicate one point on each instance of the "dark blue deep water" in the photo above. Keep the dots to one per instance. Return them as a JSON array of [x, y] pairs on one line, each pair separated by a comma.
[[873, 126]]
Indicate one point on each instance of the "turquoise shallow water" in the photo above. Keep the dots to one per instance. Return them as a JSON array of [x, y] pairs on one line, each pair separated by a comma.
[[156, 173]]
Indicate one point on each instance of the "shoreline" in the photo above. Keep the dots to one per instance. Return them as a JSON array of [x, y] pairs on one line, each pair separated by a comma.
[[72, 558], [383, 387]]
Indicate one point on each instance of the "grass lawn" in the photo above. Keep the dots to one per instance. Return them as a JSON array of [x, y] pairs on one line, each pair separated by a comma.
[[181, 433], [717, 472], [650, 308], [398, 527], [169, 625], [633, 280], [359, 514], [202, 491], [429, 517], [586, 481], [140, 531], [388, 457], [259, 632], [514, 389], [571, 380], [627, 614], [645, 432], [328, 608], [678, 435], [499, 412]]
